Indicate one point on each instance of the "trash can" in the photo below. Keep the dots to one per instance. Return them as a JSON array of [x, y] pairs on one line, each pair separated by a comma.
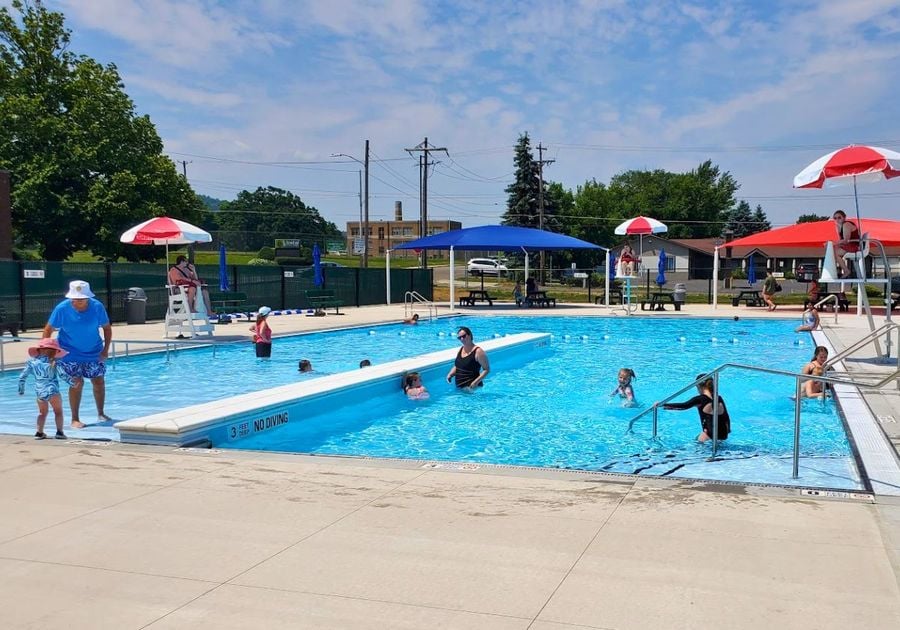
[[136, 306], [678, 295]]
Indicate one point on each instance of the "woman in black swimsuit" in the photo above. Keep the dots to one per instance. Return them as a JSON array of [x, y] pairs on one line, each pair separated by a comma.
[[704, 404], [471, 365]]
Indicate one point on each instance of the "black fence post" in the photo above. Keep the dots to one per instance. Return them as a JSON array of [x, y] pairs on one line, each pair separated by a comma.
[[108, 287], [589, 278], [22, 293], [709, 290], [283, 294], [234, 278], [412, 279], [356, 284]]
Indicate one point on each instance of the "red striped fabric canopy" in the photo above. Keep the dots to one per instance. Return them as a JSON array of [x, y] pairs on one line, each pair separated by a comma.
[[165, 231], [866, 164], [641, 225]]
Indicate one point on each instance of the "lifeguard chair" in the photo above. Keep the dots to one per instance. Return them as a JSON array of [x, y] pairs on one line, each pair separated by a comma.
[[181, 319]]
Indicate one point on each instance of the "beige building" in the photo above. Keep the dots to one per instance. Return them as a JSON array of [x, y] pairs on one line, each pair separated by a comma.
[[385, 235]]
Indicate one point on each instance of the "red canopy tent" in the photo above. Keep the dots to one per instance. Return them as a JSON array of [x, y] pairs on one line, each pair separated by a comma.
[[817, 233]]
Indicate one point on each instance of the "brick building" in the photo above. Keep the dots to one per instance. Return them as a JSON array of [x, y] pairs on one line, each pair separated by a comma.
[[385, 235]]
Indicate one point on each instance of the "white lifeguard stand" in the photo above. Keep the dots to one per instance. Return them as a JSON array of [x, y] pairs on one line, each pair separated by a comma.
[[622, 273], [181, 319]]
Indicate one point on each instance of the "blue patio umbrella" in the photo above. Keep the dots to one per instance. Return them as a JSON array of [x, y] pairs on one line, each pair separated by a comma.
[[661, 277], [318, 278], [751, 271], [223, 268]]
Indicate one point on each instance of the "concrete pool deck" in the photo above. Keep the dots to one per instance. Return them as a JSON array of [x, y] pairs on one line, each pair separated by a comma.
[[122, 536]]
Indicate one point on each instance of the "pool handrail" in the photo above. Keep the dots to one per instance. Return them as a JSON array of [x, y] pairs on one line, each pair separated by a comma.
[[412, 298], [798, 377], [884, 330]]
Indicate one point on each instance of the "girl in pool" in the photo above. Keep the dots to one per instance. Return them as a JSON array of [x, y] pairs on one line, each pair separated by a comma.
[[624, 389], [413, 388], [262, 334], [704, 404], [813, 388]]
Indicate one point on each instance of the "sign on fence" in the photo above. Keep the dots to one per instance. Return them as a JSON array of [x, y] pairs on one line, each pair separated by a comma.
[[33, 273]]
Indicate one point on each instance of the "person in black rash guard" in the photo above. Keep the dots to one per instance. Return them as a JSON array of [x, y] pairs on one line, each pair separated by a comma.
[[471, 365], [704, 404]]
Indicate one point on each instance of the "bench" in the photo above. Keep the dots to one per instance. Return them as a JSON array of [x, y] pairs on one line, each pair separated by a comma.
[[321, 299], [13, 326], [750, 297], [657, 302], [476, 296], [231, 302], [540, 298], [843, 304], [615, 297]]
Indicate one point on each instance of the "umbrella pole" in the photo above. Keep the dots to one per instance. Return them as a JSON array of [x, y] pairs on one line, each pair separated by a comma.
[[856, 201]]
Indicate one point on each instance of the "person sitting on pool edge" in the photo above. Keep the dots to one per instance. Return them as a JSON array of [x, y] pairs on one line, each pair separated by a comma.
[[810, 319], [469, 363], [704, 404]]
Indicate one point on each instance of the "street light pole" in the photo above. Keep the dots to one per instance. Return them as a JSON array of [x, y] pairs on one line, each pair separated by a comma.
[[363, 204]]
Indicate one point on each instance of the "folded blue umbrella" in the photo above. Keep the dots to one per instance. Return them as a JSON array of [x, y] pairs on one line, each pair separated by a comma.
[[661, 278], [223, 268], [318, 278]]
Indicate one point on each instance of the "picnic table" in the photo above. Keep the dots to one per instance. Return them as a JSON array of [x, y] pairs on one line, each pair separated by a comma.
[[657, 301], [539, 298], [749, 296], [615, 297], [476, 296]]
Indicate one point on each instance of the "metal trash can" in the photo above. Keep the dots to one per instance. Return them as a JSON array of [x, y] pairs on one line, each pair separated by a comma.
[[679, 293], [136, 306]]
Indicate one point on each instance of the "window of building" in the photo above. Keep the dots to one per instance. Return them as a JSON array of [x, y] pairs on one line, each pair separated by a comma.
[[354, 231], [381, 234], [407, 231], [381, 250]]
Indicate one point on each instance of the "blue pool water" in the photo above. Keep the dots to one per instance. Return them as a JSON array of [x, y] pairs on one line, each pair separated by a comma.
[[551, 411]]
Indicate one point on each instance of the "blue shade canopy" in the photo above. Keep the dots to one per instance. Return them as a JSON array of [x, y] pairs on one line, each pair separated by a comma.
[[661, 277], [498, 238], [751, 271], [223, 268], [318, 279]]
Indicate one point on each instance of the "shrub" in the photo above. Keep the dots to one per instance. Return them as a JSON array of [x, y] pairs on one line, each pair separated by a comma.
[[261, 262], [266, 253], [293, 261], [789, 275], [738, 274], [873, 291]]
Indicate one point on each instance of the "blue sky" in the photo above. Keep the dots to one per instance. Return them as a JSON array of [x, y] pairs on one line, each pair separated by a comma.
[[761, 88]]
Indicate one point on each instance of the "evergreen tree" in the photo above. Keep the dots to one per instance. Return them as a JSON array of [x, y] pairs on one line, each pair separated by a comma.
[[522, 205], [760, 220], [740, 220]]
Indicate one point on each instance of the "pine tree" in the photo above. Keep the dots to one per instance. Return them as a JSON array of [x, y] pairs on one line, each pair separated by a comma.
[[740, 220], [760, 221], [522, 206]]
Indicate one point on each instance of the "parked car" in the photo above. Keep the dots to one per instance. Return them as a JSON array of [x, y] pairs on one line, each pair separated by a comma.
[[486, 267]]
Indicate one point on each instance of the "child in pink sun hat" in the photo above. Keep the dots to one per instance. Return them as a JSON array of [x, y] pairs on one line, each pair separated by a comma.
[[42, 365]]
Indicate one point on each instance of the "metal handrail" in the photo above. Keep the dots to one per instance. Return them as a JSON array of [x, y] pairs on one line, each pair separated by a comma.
[[414, 297], [798, 377], [825, 300], [885, 329], [166, 345]]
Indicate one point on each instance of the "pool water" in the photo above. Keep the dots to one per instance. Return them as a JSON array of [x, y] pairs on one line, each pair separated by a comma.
[[553, 410]]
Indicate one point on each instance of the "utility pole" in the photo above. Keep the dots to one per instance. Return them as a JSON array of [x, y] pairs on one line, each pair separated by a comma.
[[541, 161], [424, 148], [366, 241], [184, 164]]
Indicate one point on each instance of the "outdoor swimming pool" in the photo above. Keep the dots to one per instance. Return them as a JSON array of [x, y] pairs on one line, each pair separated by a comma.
[[552, 411]]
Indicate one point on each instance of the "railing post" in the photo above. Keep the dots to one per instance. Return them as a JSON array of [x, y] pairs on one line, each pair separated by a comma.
[[715, 410], [796, 467], [655, 419]]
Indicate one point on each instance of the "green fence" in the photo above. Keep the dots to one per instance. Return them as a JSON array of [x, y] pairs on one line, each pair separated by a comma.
[[30, 290]]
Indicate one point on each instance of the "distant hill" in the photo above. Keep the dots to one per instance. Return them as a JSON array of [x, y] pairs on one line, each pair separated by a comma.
[[211, 202]]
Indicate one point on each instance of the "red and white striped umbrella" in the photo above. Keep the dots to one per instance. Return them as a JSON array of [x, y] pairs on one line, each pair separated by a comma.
[[641, 225], [847, 165], [165, 231]]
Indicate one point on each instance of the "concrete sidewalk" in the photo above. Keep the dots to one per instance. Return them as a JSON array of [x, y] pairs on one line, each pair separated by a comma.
[[118, 536], [123, 537]]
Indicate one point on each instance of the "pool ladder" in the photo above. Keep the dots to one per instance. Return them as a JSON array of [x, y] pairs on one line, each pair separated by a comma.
[[413, 301], [886, 330]]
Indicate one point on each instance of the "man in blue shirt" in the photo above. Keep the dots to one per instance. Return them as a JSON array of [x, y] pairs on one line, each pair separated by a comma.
[[78, 319]]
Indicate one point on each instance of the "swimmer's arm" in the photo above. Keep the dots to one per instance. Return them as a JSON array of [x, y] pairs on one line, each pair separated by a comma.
[[451, 373], [696, 401], [481, 357]]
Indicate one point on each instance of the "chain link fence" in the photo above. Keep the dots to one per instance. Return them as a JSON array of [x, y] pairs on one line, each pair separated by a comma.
[[30, 290]]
